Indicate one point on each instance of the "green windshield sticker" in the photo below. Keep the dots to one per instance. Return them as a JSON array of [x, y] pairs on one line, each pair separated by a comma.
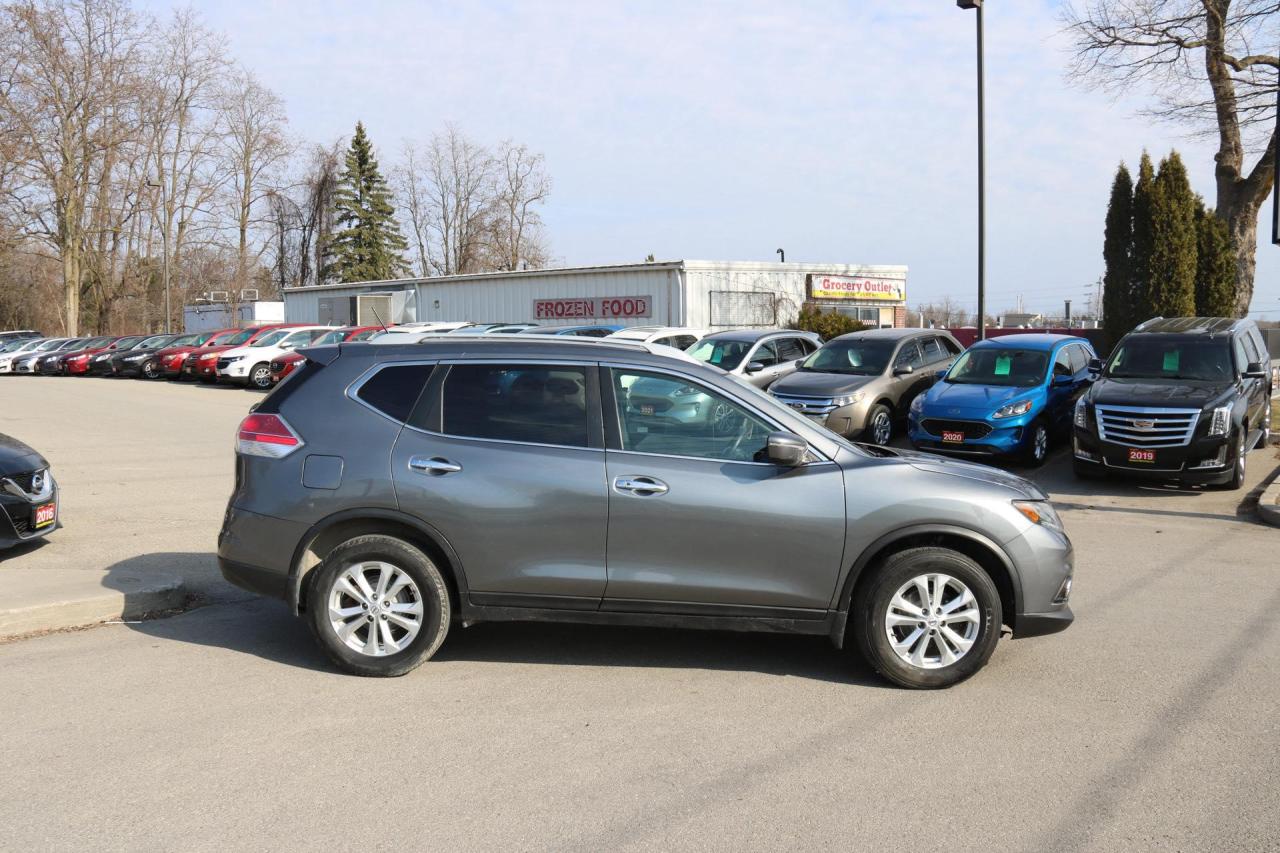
[[1003, 363], [1171, 361]]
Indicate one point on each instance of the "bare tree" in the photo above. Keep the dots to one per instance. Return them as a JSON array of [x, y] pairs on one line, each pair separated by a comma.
[[458, 176], [1198, 57], [522, 185], [410, 183]]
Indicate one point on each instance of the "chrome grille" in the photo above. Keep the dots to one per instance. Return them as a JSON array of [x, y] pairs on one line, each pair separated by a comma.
[[812, 406], [1133, 426]]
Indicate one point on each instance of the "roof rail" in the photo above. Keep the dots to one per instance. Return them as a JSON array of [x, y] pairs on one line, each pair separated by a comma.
[[1145, 323], [540, 340]]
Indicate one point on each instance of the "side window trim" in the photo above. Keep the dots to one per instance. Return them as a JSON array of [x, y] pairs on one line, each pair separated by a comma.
[[352, 391]]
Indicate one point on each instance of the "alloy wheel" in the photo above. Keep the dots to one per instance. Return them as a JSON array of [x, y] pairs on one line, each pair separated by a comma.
[[261, 377], [375, 608], [881, 428], [932, 621], [149, 369], [1040, 443]]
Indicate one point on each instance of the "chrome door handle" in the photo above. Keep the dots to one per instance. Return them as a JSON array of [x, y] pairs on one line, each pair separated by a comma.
[[640, 485], [433, 465]]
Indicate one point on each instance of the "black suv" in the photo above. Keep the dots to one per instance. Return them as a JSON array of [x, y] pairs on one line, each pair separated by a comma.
[[1181, 399]]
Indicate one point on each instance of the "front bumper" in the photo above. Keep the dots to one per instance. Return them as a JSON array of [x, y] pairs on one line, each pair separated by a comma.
[[1204, 461], [1045, 560], [16, 516], [236, 372], [1006, 437]]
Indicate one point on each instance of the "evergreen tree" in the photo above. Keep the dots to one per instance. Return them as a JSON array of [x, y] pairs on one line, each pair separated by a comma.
[[1143, 242], [1117, 245], [368, 245], [1215, 266], [1171, 283]]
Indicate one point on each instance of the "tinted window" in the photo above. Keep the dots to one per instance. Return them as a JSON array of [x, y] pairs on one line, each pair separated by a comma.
[[950, 346], [1251, 351], [789, 349], [807, 345], [1170, 357], [592, 333], [909, 356], [527, 403], [394, 389], [766, 354], [933, 350], [683, 341], [673, 417]]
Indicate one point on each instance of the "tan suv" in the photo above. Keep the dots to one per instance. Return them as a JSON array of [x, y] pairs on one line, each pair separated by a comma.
[[859, 384]]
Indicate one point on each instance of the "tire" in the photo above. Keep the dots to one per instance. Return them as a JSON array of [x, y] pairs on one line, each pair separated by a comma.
[[1238, 472], [260, 376], [425, 586], [869, 618], [1037, 449], [879, 429], [149, 369]]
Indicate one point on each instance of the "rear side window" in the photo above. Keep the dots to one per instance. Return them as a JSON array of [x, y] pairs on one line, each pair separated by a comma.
[[1079, 357], [932, 350], [537, 404], [766, 354], [1250, 350], [394, 389], [950, 346], [909, 356], [789, 349]]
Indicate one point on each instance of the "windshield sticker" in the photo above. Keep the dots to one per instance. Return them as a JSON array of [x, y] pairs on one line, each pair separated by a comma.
[[1171, 361], [1003, 363]]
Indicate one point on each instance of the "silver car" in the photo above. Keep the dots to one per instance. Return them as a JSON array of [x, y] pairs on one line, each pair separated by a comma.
[[759, 357], [391, 492]]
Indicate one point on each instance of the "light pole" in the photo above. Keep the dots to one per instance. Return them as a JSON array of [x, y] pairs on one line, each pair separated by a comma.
[[982, 183], [782, 256], [164, 252]]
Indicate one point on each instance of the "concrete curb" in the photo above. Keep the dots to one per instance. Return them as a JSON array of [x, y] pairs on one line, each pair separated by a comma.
[[37, 600], [1269, 504]]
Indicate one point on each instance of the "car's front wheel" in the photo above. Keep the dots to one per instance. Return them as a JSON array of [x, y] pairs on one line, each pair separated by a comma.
[[1037, 450], [927, 618], [260, 376], [879, 424], [150, 369], [378, 606]]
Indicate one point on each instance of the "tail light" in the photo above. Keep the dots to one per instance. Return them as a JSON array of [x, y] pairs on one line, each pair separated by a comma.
[[267, 435]]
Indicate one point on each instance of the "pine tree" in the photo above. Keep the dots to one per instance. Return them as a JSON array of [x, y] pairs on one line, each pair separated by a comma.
[[1171, 284], [368, 245], [1117, 245], [1143, 242], [1215, 266]]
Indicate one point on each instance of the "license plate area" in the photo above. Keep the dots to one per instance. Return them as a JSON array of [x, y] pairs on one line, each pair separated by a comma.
[[953, 436], [1146, 457], [44, 515]]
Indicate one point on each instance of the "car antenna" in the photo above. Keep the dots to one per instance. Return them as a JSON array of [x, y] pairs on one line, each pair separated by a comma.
[[379, 319]]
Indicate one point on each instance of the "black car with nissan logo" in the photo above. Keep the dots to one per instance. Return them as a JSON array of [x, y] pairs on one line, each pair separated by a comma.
[[28, 494], [1181, 399]]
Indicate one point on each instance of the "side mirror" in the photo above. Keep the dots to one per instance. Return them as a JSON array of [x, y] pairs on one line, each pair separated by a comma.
[[755, 366], [904, 370], [1062, 379], [941, 373], [1095, 365], [786, 448], [287, 346], [1255, 370]]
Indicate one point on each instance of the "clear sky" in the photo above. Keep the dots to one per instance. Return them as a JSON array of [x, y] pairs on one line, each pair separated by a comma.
[[839, 131]]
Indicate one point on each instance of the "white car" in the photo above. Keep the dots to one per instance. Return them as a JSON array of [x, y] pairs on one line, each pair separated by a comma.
[[12, 349], [679, 337], [251, 365]]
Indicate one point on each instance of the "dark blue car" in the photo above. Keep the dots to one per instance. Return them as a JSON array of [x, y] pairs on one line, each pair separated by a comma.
[[1007, 396]]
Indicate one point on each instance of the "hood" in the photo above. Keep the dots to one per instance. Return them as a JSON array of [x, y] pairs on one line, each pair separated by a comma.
[[18, 458], [981, 400], [806, 384], [970, 471], [1180, 393]]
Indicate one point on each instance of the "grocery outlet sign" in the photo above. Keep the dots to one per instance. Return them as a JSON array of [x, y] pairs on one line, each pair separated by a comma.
[[857, 287], [593, 308]]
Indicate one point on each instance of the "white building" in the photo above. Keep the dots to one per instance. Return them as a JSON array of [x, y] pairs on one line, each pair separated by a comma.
[[700, 294]]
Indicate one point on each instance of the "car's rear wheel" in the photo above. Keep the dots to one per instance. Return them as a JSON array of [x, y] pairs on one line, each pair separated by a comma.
[[1037, 450], [260, 376], [927, 618], [378, 606], [879, 424]]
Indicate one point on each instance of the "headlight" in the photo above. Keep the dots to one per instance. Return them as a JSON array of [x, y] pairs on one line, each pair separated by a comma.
[[135, 357], [917, 403], [210, 357], [1220, 421], [1040, 512], [1082, 416], [847, 399], [234, 358], [1013, 409]]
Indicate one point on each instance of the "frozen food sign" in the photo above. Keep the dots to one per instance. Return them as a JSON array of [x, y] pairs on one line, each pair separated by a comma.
[[868, 287], [593, 308]]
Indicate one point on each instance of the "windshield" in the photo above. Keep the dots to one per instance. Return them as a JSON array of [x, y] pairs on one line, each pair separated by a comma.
[[126, 343], [153, 342], [725, 355], [269, 338], [186, 341], [856, 357], [232, 340], [48, 345], [335, 337], [1166, 357], [14, 346], [1019, 368]]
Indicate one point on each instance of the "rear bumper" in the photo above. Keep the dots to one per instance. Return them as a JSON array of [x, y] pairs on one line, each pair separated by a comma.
[[255, 552], [255, 579]]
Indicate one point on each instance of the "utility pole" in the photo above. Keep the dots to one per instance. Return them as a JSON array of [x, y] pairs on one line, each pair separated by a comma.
[[982, 180], [164, 252]]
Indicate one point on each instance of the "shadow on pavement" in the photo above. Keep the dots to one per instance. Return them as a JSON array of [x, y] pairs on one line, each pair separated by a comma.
[[265, 628]]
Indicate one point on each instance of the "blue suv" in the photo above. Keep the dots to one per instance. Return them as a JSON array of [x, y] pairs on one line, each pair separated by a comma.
[[1004, 396]]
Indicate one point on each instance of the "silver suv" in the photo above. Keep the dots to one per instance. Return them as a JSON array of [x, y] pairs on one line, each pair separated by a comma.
[[759, 357], [390, 492], [859, 384]]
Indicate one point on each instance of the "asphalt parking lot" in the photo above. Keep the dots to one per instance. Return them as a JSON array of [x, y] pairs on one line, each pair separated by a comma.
[[1150, 724]]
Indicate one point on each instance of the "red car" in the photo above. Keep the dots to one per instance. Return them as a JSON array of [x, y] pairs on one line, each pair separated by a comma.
[[77, 361], [284, 365], [169, 360], [202, 363]]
